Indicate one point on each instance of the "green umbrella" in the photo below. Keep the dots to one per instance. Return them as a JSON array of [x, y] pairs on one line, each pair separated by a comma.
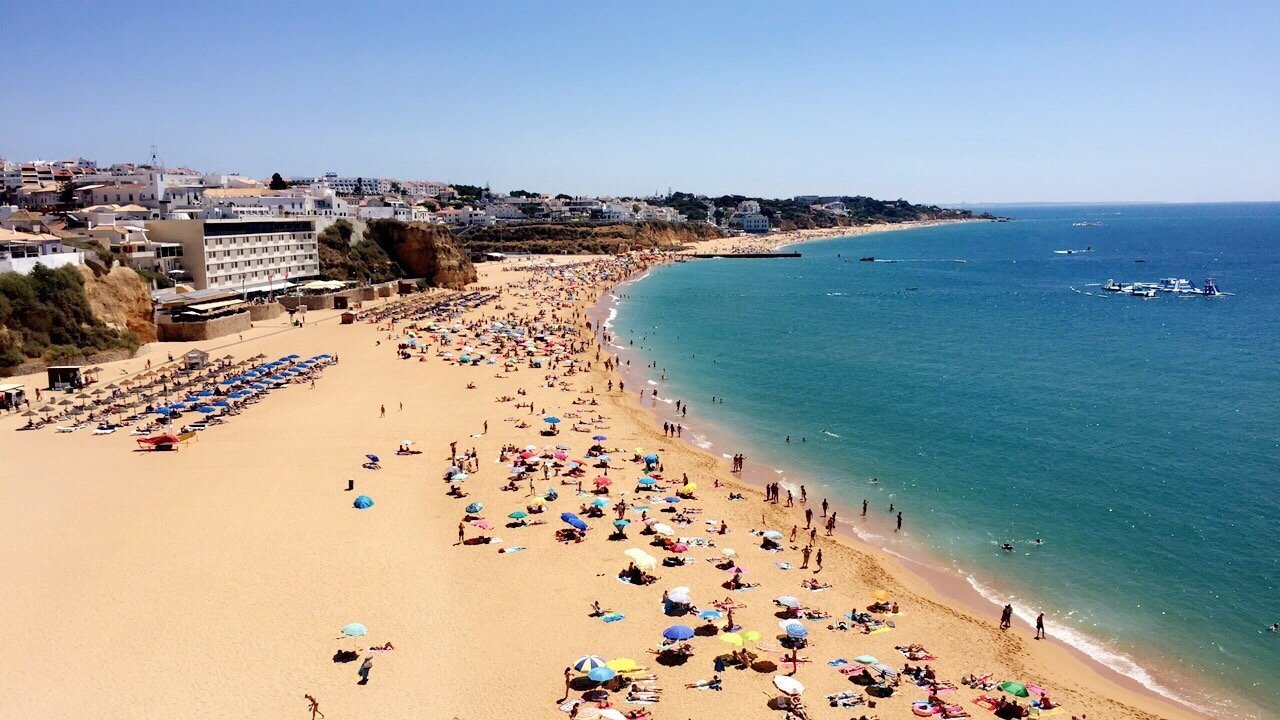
[[1015, 688], [518, 515]]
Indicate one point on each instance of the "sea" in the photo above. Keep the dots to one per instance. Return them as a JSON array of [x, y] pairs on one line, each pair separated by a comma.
[[978, 377]]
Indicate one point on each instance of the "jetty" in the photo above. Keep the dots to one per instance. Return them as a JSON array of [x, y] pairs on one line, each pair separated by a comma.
[[744, 256]]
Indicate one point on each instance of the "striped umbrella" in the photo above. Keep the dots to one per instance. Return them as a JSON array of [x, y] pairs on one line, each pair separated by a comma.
[[587, 663]]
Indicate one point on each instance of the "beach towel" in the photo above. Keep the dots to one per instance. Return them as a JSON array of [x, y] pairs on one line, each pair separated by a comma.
[[1049, 713], [512, 549], [612, 617], [880, 630], [784, 566], [838, 662]]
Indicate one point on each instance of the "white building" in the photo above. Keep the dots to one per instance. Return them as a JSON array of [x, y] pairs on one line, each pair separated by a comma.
[[243, 254], [21, 251]]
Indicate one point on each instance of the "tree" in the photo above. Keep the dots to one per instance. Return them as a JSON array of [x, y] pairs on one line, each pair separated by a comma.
[[66, 194], [359, 186], [277, 182]]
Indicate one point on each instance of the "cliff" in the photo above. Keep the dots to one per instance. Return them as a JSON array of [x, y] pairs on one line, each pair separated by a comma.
[[343, 258], [586, 238], [423, 251], [121, 300]]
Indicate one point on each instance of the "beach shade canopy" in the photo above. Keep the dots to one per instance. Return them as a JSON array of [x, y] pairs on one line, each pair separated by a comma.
[[788, 601], [622, 665], [788, 685], [552, 420], [600, 503], [458, 477], [1015, 688], [601, 674], [886, 670], [679, 547], [651, 458], [672, 500], [222, 403], [621, 523], [773, 535], [678, 632], [364, 502], [679, 595], [372, 458], [599, 438], [795, 630], [206, 409], [602, 481], [475, 507], [663, 529], [574, 521], [518, 515], [866, 659], [587, 663], [355, 630], [646, 481], [689, 488], [642, 559], [729, 552]]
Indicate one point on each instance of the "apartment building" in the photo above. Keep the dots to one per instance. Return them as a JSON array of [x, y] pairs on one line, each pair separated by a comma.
[[257, 254]]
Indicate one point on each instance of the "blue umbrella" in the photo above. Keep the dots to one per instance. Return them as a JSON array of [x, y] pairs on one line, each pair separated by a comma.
[[621, 523], [475, 507], [552, 420], [574, 521], [191, 399], [797, 631], [601, 674], [291, 357], [673, 500], [600, 503], [230, 381], [599, 438], [164, 412], [260, 386], [206, 409], [205, 393], [587, 663], [651, 458], [325, 356], [222, 403], [678, 632], [372, 458], [646, 481], [355, 630], [364, 502]]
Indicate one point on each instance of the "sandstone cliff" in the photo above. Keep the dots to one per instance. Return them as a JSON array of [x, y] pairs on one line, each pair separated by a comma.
[[120, 299], [586, 238], [423, 251]]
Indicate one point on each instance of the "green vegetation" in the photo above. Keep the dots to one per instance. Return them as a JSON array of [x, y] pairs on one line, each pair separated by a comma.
[[45, 315], [363, 261], [807, 212], [277, 182], [468, 193]]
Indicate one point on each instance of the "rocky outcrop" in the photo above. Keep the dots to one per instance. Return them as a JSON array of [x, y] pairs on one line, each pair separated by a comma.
[[121, 300], [423, 251], [597, 238]]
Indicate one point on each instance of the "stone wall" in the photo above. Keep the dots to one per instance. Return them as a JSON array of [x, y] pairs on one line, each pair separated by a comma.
[[208, 330], [269, 311]]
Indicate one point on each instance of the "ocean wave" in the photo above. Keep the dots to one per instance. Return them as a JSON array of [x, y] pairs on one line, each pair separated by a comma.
[[613, 314], [1092, 647]]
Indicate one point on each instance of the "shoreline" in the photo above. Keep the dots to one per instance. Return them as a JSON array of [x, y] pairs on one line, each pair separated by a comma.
[[917, 562]]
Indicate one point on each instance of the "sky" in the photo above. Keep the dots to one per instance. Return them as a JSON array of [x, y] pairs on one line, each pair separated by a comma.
[[943, 102]]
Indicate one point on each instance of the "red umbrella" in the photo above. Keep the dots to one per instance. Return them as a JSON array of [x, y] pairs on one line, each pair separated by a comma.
[[603, 481]]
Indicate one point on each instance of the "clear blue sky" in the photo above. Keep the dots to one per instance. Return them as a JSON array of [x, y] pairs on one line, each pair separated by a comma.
[[937, 102]]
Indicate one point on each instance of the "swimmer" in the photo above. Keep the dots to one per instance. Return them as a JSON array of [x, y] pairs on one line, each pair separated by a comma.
[[1007, 547]]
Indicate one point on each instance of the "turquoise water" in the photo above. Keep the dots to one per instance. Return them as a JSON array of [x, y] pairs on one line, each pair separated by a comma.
[[995, 403]]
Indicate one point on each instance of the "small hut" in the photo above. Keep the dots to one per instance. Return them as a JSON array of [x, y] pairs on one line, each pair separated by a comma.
[[62, 377], [195, 359], [348, 318]]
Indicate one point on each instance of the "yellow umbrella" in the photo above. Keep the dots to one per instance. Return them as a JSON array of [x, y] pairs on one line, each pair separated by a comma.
[[538, 501], [880, 595], [689, 488], [733, 639], [622, 665]]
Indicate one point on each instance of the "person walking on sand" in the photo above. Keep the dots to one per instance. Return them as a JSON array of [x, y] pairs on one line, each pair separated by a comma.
[[314, 707], [804, 554], [382, 411], [808, 518], [1006, 617], [462, 533], [824, 507], [363, 672], [818, 560], [1040, 627]]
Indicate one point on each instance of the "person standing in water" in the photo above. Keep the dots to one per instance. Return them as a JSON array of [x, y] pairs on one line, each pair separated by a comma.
[[864, 507], [1006, 617], [899, 521], [1040, 627]]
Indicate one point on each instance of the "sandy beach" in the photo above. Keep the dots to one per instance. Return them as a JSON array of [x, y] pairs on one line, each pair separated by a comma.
[[216, 581]]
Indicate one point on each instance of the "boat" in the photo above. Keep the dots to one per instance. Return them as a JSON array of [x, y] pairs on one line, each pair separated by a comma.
[[1074, 252], [866, 259], [1086, 224]]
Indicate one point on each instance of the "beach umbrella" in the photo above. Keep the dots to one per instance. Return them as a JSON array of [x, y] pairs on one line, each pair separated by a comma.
[[560, 456], [30, 413], [679, 595], [364, 502], [574, 521], [601, 674], [663, 529], [587, 663], [1015, 688], [650, 459], [621, 523], [672, 500], [622, 665], [788, 601], [475, 507], [773, 535], [646, 481], [355, 630], [689, 488], [518, 515], [599, 438], [797, 631], [551, 420], [372, 458], [729, 552], [602, 481], [866, 659], [678, 632], [788, 685], [458, 477], [600, 503], [205, 393], [206, 409], [679, 547], [482, 524], [886, 670]]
